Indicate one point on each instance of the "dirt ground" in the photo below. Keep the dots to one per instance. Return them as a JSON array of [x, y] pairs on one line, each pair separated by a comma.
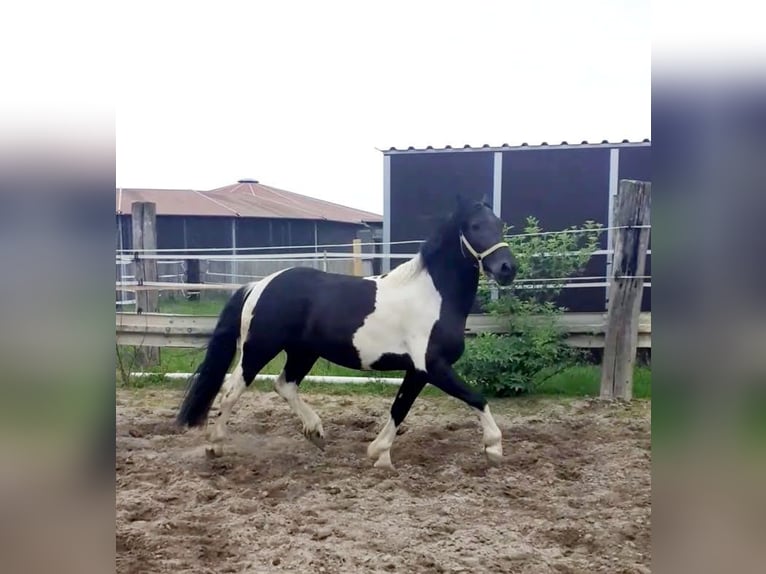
[[572, 494]]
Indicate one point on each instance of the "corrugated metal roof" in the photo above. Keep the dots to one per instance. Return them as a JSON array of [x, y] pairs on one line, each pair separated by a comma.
[[246, 198], [273, 202], [524, 145], [173, 202]]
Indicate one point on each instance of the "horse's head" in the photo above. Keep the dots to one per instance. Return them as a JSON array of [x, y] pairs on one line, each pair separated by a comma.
[[481, 238]]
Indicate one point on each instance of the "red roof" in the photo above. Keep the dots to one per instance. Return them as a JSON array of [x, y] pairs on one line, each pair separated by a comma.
[[173, 202], [247, 198]]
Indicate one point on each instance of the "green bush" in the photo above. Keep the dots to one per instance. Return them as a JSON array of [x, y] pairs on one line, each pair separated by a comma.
[[534, 348], [502, 365]]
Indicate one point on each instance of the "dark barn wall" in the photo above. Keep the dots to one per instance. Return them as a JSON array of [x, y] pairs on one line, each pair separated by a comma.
[[207, 232], [276, 233], [561, 188], [636, 163], [301, 233], [123, 241], [127, 235], [253, 232], [170, 232], [336, 233], [194, 232], [424, 189]]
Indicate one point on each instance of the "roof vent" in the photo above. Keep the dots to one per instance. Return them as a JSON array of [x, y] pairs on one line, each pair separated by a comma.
[[248, 180]]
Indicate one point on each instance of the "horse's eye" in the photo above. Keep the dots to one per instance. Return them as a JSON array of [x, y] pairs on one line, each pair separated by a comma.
[[474, 227]]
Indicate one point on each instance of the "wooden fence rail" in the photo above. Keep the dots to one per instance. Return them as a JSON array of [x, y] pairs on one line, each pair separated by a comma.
[[585, 330]]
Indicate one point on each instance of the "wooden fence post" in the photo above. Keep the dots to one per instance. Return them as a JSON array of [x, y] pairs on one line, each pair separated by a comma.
[[356, 247], [631, 240], [367, 248], [144, 223]]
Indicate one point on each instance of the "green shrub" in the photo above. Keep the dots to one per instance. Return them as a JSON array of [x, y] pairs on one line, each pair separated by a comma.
[[534, 348], [502, 365]]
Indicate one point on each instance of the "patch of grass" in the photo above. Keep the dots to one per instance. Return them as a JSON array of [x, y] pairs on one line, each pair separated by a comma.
[[580, 381], [585, 381], [175, 360], [372, 388], [208, 304]]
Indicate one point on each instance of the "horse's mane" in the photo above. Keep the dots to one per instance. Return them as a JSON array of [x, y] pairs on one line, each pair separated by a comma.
[[428, 249], [406, 271], [448, 230]]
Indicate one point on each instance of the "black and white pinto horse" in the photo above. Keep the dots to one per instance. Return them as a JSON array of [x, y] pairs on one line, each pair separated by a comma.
[[411, 319]]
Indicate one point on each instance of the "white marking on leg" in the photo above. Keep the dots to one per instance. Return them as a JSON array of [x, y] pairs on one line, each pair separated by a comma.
[[312, 424], [232, 390], [380, 448], [493, 438]]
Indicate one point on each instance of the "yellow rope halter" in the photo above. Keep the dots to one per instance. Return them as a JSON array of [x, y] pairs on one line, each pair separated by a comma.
[[480, 256]]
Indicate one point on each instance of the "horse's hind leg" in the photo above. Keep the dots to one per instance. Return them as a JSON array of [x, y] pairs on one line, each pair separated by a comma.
[[298, 365], [255, 356], [232, 390]]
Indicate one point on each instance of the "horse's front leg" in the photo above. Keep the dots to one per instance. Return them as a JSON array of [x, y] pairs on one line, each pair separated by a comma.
[[442, 375]]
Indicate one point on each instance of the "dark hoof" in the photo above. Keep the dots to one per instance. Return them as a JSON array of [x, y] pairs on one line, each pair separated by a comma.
[[213, 451], [316, 439]]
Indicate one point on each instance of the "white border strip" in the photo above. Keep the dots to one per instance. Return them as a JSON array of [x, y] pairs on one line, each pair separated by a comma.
[[497, 199], [386, 264], [497, 184], [614, 182]]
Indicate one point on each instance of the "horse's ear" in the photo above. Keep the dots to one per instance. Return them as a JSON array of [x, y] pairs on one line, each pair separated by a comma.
[[462, 203], [485, 199]]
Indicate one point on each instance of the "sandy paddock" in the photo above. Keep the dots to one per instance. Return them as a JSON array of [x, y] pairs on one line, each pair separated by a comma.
[[572, 494]]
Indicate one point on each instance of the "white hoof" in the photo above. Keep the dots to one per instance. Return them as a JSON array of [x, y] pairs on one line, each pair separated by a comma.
[[372, 450], [216, 432], [494, 452], [384, 461]]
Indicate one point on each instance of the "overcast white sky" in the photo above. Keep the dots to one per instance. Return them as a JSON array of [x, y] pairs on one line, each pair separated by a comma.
[[299, 94]]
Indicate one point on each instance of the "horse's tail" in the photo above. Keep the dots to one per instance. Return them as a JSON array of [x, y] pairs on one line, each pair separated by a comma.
[[207, 380]]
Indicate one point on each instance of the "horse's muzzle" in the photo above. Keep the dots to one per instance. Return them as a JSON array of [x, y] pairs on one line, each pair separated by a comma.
[[505, 273]]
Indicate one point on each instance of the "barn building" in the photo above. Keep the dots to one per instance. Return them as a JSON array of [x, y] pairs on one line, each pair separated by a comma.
[[561, 185], [247, 214]]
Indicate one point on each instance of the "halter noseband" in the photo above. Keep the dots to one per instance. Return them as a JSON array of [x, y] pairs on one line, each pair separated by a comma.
[[480, 256]]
